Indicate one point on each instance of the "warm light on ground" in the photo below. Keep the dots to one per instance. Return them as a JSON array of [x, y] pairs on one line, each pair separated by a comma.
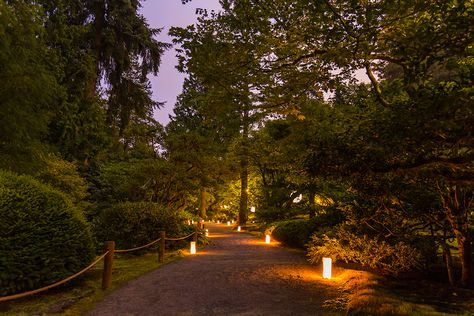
[[192, 250], [327, 267], [267, 239]]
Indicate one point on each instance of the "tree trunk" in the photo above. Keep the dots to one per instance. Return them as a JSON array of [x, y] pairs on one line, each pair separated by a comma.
[[465, 254], [457, 203], [202, 206], [448, 260], [99, 19], [244, 166]]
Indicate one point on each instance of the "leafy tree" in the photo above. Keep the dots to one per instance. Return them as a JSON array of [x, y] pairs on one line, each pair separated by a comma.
[[28, 93]]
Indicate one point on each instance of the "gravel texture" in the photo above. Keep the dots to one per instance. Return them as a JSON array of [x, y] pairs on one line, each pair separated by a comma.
[[236, 274]]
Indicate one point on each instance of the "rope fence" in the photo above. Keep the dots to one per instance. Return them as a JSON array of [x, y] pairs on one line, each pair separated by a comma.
[[137, 248], [181, 238], [16, 296], [108, 256]]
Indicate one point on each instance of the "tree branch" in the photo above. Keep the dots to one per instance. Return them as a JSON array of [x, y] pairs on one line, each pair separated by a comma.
[[376, 85]]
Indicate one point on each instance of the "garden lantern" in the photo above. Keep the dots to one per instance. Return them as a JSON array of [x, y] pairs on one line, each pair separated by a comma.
[[327, 267]]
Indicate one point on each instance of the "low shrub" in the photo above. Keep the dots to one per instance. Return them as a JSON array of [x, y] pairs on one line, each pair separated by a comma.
[[293, 233], [43, 238], [297, 233], [388, 258], [132, 224]]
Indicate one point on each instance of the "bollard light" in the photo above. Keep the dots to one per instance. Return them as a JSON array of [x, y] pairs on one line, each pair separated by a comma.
[[192, 250], [238, 229], [207, 232], [232, 221], [327, 267], [228, 223], [267, 239], [218, 222], [192, 222]]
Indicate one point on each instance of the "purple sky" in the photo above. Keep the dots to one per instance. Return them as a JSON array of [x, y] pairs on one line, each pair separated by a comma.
[[163, 14]]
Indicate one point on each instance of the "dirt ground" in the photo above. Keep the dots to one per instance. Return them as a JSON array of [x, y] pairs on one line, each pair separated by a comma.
[[236, 274]]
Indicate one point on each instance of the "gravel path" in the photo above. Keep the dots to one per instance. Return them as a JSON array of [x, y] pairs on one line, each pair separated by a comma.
[[236, 274]]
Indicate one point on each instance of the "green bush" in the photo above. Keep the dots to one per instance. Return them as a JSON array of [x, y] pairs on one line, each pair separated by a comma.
[[297, 232], [43, 238], [132, 224], [293, 233], [389, 258]]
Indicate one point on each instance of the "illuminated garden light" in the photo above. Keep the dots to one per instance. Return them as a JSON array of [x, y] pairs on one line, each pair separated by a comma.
[[207, 232], [192, 250], [228, 223], [267, 239], [218, 222], [238, 229], [327, 267], [232, 222], [252, 209]]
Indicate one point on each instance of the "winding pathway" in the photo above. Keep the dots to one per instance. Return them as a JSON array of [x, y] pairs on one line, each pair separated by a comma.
[[236, 274]]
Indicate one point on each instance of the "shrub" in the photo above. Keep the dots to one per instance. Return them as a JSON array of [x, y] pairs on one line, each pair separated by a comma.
[[297, 232], [293, 233], [132, 224], [388, 258], [43, 238]]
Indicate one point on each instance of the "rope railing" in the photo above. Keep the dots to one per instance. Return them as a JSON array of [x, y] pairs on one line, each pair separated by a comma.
[[181, 238], [108, 263], [137, 248], [45, 288]]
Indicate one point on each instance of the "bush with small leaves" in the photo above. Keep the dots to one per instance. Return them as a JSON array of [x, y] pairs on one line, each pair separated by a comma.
[[43, 238], [297, 232], [388, 258], [133, 224]]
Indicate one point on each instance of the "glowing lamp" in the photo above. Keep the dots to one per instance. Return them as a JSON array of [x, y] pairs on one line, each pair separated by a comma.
[[238, 229], [192, 222], [327, 267], [232, 221], [207, 232], [267, 239], [228, 223], [218, 222], [192, 250], [252, 209]]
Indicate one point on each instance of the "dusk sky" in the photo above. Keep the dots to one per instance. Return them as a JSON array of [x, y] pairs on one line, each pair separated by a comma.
[[164, 14]]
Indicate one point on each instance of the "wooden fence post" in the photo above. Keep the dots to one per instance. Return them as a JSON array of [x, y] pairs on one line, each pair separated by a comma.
[[108, 263], [161, 249]]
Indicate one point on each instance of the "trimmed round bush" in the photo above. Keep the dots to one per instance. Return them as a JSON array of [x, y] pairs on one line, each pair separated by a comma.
[[43, 238], [133, 224], [297, 233]]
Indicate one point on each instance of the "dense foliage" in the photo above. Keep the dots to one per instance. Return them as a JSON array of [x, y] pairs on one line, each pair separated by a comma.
[[133, 224], [292, 108], [43, 238]]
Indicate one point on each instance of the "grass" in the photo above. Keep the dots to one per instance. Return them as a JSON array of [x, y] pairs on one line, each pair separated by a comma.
[[80, 295]]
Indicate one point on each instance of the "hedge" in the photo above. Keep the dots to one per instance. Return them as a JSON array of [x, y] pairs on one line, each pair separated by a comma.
[[43, 238]]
